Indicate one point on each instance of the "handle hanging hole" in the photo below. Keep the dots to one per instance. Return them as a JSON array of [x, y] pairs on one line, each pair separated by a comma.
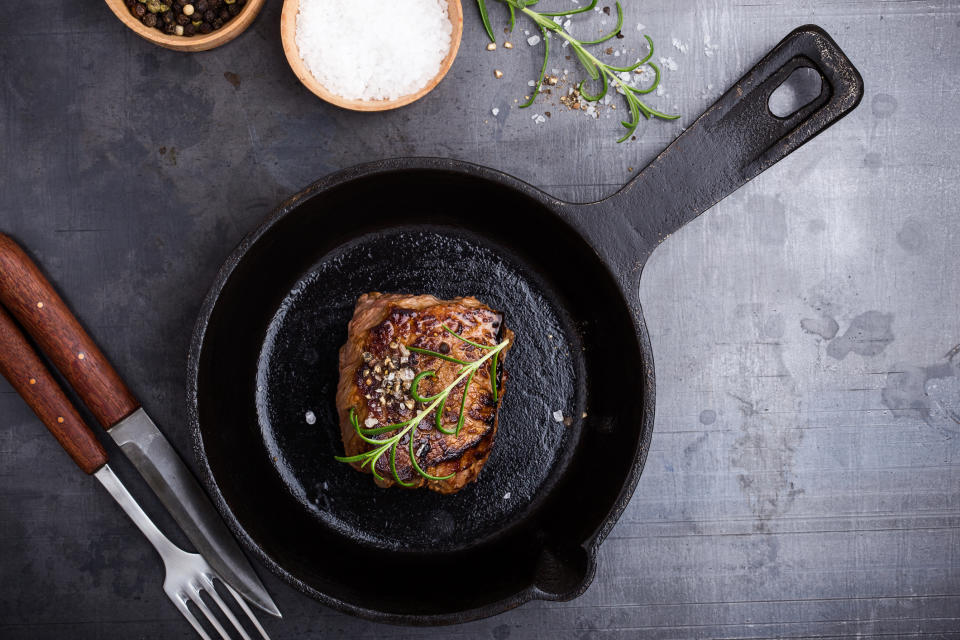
[[801, 88]]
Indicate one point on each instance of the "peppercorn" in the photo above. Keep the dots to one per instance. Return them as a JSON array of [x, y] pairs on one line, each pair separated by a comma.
[[185, 17]]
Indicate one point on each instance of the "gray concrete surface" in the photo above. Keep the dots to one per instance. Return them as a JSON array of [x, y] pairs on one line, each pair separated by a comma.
[[805, 472]]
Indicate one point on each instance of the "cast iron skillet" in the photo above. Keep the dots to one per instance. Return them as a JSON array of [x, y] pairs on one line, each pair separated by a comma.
[[264, 354]]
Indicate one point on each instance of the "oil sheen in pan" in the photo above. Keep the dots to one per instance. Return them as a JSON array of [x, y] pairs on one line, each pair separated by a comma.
[[298, 369]]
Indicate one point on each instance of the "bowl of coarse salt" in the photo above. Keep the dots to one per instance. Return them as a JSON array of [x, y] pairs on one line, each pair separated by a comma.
[[371, 55]]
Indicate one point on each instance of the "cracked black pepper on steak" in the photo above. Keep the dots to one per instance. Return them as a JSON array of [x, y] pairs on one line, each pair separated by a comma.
[[185, 17]]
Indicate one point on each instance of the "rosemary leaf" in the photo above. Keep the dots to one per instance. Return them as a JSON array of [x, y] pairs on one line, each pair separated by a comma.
[[486, 19]]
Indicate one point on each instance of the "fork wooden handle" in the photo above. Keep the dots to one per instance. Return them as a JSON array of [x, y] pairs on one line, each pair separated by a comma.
[[32, 300], [27, 374]]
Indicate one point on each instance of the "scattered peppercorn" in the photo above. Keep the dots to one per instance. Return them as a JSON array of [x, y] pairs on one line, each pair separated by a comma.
[[185, 17]]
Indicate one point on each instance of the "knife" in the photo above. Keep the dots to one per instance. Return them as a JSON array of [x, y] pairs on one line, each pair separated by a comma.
[[32, 300]]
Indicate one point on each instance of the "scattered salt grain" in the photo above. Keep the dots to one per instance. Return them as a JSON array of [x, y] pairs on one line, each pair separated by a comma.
[[531, 83], [311, 417], [495, 111], [641, 26], [533, 40], [680, 46], [404, 44], [708, 47], [669, 63], [558, 415], [369, 423], [506, 496]]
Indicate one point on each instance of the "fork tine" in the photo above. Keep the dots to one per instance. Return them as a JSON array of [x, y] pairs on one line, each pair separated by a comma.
[[246, 609], [197, 600], [179, 601], [207, 580]]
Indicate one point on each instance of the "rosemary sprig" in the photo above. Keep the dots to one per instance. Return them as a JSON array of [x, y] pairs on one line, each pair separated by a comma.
[[436, 402], [597, 70]]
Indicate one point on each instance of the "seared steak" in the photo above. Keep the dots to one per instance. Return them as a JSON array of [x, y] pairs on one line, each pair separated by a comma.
[[377, 368]]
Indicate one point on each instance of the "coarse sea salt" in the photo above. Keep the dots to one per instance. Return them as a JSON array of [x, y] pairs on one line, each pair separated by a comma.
[[371, 50]]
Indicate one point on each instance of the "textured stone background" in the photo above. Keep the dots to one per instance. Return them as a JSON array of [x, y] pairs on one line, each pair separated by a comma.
[[805, 472]]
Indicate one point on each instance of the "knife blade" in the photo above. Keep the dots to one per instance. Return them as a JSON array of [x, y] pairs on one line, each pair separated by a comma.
[[32, 300]]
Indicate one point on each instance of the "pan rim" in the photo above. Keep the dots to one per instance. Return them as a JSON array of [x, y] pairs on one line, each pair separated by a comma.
[[198, 339]]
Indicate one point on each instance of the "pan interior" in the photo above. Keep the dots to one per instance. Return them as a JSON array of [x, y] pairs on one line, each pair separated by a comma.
[[297, 379]]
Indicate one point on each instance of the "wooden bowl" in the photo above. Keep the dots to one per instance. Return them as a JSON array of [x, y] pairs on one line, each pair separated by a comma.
[[225, 34], [288, 33]]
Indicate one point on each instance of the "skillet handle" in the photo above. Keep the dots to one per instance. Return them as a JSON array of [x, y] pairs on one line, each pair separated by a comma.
[[32, 300], [739, 137]]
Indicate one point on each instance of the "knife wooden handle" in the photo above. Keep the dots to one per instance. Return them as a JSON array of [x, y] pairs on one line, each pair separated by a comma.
[[22, 367], [32, 300]]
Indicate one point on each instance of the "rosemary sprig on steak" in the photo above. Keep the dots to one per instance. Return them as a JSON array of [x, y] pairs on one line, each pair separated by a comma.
[[436, 402]]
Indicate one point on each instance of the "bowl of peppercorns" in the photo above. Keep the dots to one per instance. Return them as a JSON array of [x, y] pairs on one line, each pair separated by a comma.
[[187, 25]]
